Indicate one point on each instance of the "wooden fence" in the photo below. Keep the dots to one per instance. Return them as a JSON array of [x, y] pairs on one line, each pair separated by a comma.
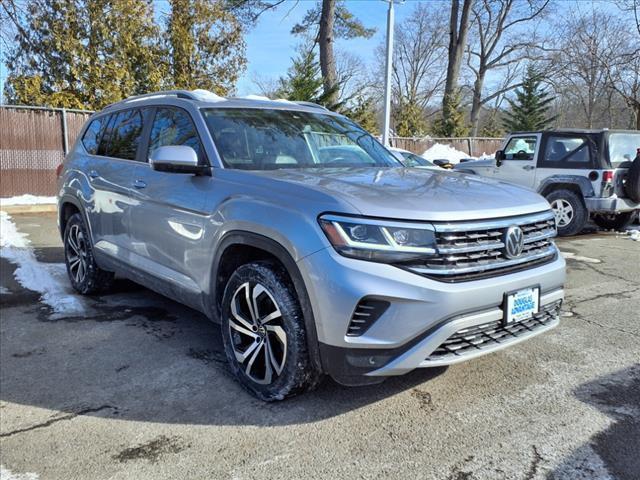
[[473, 146], [34, 141]]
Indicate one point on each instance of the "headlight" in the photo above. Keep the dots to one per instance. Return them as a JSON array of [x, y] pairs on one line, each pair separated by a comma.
[[379, 240]]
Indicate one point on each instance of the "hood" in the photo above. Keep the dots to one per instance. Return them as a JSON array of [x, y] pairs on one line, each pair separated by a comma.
[[483, 162], [416, 194]]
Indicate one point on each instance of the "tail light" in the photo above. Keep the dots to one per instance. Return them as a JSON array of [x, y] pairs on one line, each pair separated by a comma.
[[59, 170], [607, 183], [607, 176]]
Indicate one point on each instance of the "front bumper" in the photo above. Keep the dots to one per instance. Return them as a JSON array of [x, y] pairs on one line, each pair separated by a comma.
[[423, 313], [613, 204]]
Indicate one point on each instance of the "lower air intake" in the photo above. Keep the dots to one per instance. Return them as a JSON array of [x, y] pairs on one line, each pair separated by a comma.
[[366, 313]]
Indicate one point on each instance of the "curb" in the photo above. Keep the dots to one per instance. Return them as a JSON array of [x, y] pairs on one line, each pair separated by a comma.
[[17, 209]]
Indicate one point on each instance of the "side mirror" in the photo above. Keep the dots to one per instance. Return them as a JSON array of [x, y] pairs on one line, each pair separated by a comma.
[[499, 157], [176, 159]]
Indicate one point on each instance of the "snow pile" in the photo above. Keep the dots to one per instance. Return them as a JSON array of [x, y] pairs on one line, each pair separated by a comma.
[[207, 96], [444, 152], [634, 235], [49, 280], [256, 97], [6, 474], [26, 200]]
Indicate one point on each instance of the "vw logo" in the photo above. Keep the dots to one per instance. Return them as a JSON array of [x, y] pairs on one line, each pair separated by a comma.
[[513, 241]]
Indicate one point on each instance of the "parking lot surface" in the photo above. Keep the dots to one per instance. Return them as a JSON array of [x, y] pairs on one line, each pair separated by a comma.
[[135, 386]]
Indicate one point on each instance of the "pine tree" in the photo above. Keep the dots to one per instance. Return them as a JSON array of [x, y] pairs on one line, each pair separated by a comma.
[[362, 110], [531, 106], [84, 54], [304, 80], [452, 123], [206, 46], [409, 120]]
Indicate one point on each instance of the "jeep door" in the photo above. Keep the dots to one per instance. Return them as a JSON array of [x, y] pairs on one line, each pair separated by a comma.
[[169, 221], [110, 171], [567, 154], [521, 153]]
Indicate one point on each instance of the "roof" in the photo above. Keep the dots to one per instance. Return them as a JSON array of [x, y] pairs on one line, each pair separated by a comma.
[[573, 130], [207, 99]]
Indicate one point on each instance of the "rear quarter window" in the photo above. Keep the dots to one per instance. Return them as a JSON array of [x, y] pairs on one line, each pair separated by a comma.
[[91, 136]]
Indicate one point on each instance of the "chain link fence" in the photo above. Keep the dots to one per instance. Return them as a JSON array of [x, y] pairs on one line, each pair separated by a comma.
[[34, 141]]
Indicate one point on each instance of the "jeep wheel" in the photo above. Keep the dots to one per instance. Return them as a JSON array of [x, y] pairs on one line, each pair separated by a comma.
[[613, 221], [264, 335], [85, 275], [571, 214]]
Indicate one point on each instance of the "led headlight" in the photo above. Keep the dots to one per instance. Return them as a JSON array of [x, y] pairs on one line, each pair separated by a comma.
[[379, 240]]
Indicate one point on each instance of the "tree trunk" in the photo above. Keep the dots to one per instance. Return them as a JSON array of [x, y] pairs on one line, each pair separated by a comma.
[[477, 102], [457, 42], [327, 59]]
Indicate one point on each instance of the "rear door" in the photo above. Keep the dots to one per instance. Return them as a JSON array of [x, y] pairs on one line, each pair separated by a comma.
[[169, 219], [568, 154], [519, 165], [113, 166]]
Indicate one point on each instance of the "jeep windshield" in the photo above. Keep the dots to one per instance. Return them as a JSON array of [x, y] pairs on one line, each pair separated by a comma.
[[623, 147], [263, 139]]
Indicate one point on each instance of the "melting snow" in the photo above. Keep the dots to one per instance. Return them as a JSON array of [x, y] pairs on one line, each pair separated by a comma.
[[26, 200], [6, 474], [579, 258], [207, 96], [50, 280], [634, 235]]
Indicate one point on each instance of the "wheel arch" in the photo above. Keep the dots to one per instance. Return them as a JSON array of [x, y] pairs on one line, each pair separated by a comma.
[[574, 183], [239, 247], [67, 206]]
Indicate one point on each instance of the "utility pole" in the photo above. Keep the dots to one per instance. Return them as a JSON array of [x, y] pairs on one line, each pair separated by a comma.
[[387, 84]]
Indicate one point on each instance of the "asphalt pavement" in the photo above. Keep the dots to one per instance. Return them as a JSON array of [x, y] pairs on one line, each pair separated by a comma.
[[138, 388]]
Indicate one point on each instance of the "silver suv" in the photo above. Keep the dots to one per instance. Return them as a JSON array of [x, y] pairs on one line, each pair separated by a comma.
[[305, 239], [582, 173]]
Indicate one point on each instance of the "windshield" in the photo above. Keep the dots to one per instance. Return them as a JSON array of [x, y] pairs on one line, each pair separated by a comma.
[[623, 147], [413, 160], [261, 139]]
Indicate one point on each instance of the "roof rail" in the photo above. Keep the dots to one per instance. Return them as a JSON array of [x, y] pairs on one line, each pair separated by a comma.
[[313, 105], [177, 93]]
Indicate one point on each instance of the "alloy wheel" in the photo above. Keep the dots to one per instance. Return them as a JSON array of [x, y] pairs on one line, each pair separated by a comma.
[[563, 212], [257, 334], [77, 250]]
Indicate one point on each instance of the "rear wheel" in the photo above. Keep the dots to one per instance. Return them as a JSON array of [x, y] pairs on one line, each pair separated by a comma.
[[570, 213], [85, 275], [264, 335], [613, 221]]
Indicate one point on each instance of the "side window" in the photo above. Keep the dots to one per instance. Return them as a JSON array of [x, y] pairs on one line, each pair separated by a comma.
[[92, 135], [521, 148], [125, 135], [567, 152], [172, 126]]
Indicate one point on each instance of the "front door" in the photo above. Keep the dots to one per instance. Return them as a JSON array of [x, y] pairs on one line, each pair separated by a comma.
[[519, 164], [169, 220]]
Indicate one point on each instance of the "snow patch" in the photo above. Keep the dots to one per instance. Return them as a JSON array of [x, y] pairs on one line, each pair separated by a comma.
[[49, 280], [444, 152], [634, 235], [4, 291], [256, 97], [26, 200], [207, 96], [580, 258], [6, 474]]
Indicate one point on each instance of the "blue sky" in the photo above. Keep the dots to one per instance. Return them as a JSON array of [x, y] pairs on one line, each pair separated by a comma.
[[270, 45]]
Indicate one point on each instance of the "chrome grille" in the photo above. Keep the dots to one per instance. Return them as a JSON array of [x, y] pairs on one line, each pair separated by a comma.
[[473, 250], [488, 335]]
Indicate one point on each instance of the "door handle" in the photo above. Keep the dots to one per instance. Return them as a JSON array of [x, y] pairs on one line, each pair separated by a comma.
[[528, 167], [139, 184], [93, 174]]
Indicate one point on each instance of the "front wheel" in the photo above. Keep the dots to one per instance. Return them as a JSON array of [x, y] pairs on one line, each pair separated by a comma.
[[570, 213], [264, 335], [613, 221]]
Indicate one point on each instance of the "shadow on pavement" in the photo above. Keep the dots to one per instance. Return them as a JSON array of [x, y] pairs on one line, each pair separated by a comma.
[[618, 447], [139, 356]]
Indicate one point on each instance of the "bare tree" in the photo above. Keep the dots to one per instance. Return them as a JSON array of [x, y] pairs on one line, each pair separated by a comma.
[[503, 37]]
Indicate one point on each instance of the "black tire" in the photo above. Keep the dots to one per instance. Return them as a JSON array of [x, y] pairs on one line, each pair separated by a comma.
[[270, 284], [85, 275], [579, 213], [632, 186], [614, 222]]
